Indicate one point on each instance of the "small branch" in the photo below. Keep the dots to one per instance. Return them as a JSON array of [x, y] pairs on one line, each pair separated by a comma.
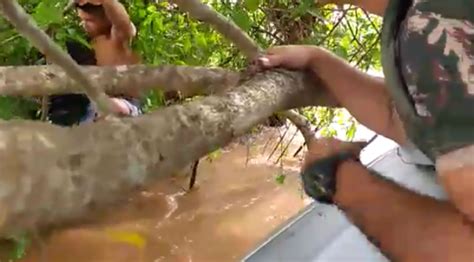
[[44, 108], [224, 26], [354, 35], [274, 35], [26, 26], [366, 53], [367, 15], [339, 21], [302, 124]]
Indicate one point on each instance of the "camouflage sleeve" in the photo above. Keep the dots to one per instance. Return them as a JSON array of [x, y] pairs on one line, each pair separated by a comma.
[[428, 53]]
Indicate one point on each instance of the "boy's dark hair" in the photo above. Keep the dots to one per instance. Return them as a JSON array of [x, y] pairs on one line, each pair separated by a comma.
[[92, 9]]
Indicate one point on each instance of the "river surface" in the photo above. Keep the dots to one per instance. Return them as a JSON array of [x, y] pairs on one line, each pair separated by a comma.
[[236, 203]]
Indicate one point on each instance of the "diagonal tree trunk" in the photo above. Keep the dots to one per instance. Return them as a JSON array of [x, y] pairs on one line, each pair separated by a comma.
[[51, 174]]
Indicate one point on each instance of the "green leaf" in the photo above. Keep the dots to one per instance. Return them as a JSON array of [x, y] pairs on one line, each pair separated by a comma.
[[350, 133], [280, 179], [48, 12], [214, 155], [252, 5], [242, 19], [19, 250]]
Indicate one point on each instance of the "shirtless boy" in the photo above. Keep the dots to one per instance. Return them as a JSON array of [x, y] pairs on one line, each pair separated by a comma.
[[110, 32]]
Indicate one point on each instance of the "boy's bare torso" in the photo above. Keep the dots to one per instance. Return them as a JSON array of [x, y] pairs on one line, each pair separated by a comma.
[[110, 52]]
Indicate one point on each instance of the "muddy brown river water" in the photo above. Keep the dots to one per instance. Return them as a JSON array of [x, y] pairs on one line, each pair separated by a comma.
[[235, 205]]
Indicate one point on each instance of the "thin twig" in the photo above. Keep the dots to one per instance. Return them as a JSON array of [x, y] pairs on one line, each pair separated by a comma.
[[26, 26], [371, 47], [367, 15], [354, 35], [44, 108], [344, 13], [283, 152], [268, 142], [303, 125], [274, 35], [278, 143], [8, 40]]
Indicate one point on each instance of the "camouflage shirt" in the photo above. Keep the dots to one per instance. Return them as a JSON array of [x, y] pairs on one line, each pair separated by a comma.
[[428, 60]]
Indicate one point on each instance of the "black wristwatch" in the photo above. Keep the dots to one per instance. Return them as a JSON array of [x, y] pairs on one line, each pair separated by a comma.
[[319, 178]]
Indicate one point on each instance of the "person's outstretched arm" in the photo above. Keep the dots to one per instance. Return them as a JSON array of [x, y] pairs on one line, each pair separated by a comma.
[[363, 95], [405, 226]]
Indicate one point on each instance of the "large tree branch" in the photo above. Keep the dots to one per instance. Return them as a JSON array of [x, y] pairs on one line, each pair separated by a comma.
[[52, 174], [227, 28], [221, 24], [91, 164], [27, 27], [48, 80]]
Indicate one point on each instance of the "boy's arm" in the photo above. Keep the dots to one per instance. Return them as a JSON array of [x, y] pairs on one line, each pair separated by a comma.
[[122, 27]]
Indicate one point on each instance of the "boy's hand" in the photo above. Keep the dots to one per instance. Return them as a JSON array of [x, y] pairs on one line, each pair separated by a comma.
[[296, 57]]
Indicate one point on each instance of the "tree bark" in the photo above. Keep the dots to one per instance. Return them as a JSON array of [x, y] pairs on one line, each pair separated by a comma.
[[51, 174], [48, 80]]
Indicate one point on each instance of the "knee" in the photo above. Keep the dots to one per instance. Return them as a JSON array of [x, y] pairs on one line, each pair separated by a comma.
[[121, 106], [456, 171]]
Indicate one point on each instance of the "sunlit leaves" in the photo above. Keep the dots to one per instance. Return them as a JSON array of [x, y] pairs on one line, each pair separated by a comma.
[[12, 108], [242, 19], [252, 5], [48, 12]]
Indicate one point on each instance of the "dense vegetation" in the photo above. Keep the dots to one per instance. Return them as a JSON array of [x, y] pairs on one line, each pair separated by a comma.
[[168, 36]]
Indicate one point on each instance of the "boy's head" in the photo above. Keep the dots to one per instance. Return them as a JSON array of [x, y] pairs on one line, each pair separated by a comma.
[[93, 18]]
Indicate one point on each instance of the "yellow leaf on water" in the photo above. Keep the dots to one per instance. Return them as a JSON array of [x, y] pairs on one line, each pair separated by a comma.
[[131, 238]]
